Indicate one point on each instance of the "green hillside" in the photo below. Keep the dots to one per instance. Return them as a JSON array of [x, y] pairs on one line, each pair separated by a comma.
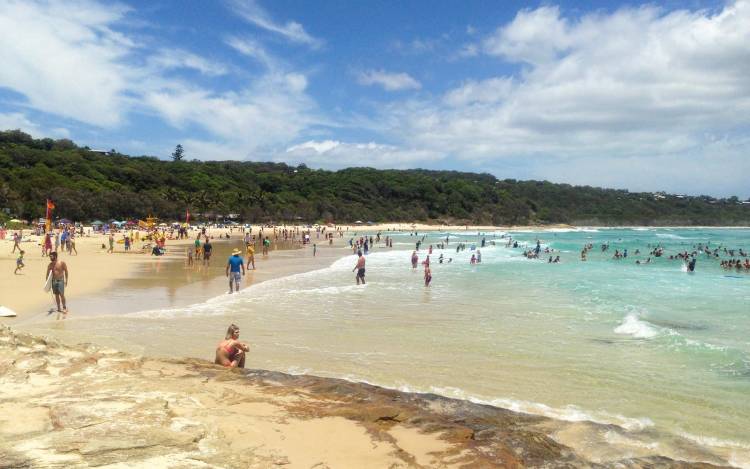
[[87, 185]]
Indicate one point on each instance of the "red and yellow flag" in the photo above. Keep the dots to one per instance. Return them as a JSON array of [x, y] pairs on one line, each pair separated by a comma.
[[48, 221]]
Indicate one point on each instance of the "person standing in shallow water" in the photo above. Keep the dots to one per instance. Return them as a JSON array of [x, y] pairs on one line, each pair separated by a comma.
[[234, 264], [231, 352], [360, 268]]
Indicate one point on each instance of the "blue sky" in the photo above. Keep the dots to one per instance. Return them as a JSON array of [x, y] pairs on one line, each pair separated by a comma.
[[643, 96]]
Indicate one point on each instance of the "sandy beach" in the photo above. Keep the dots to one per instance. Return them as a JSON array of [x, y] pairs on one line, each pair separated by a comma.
[[93, 270]]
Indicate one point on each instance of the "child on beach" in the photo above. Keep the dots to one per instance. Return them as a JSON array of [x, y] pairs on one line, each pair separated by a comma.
[[19, 263]]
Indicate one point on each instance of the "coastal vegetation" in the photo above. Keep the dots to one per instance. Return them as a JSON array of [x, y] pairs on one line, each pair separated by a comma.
[[87, 185]]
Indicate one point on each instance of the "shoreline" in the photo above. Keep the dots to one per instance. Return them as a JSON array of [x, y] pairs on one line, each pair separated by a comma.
[[93, 405], [567, 435]]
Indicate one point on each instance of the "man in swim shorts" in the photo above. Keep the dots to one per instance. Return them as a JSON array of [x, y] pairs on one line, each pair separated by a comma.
[[234, 264], [360, 268], [207, 249], [59, 280]]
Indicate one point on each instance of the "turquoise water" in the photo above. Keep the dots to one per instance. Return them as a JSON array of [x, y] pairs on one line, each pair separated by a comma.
[[647, 347], [661, 353]]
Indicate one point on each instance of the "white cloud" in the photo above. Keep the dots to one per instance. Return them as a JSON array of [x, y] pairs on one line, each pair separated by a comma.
[[175, 59], [251, 48], [65, 58], [389, 81], [640, 85], [336, 154], [252, 12], [534, 36], [18, 120], [273, 110]]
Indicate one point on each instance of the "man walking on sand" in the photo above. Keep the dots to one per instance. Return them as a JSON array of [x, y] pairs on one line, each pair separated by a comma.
[[59, 272], [234, 264], [360, 268]]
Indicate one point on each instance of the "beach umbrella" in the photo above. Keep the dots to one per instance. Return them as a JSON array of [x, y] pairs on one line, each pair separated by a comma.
[[15, 220], [96, 223], [358, 222]]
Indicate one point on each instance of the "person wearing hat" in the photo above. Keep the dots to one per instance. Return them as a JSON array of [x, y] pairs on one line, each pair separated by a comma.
[[235, 265]]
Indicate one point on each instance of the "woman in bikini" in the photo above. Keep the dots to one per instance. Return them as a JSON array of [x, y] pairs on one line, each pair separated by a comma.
[[231, 352]]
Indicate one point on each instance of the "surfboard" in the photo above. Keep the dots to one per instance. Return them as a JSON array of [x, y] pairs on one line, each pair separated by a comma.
[[7, 312], [48, 283]]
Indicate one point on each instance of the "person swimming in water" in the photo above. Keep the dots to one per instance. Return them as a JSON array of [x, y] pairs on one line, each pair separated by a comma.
[[231, 352], [427, 275]]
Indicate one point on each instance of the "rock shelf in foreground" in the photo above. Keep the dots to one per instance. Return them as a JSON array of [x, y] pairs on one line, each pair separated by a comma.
[[86, 406]]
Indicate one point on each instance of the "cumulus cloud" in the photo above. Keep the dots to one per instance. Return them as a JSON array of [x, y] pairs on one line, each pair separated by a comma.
[[637, 84], [336, 154], [389, 81], [272, 111], [252, 12]]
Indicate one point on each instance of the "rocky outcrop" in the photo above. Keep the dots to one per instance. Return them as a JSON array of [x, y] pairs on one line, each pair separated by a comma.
[[87, 406]]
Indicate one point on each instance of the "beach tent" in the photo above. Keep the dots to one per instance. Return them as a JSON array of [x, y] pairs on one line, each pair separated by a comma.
[[358, 222], [64, 221], [97, 223]]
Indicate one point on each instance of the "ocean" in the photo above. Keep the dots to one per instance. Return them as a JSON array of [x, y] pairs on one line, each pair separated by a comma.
[[661, 354]]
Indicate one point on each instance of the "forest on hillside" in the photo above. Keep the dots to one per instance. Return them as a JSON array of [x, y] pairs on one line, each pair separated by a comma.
[[87, 185]]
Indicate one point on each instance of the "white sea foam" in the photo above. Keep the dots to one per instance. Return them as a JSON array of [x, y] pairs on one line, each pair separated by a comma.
[[669, 236], [739, 452], [568, 413], [573, 230], [633, 326]]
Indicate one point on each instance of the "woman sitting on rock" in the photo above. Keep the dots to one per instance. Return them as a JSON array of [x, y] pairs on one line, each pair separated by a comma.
[[231, 352]]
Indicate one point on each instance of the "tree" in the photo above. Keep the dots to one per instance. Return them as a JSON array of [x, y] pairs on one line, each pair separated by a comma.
[[178, 153]]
